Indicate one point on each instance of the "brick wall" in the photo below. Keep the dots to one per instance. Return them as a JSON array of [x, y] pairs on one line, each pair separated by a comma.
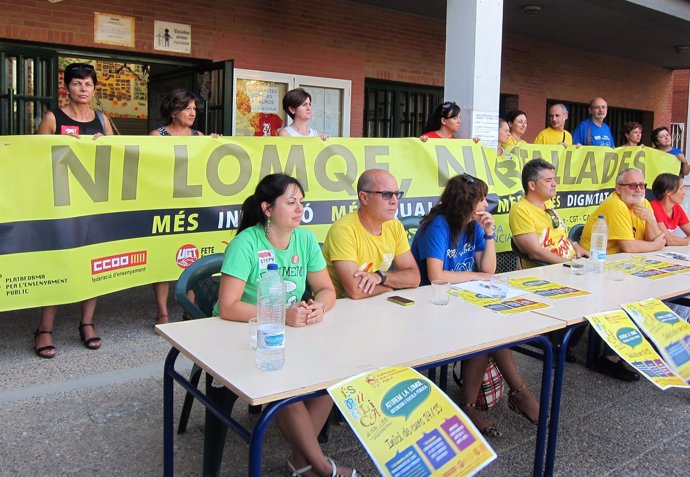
[[351, 41], [537, 72], [680, 96]]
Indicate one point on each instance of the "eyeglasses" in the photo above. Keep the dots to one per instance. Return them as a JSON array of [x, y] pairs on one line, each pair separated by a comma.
[[386, 194], [555, 219], [79, 66], [468, 178], [599, 107], [635, 185]]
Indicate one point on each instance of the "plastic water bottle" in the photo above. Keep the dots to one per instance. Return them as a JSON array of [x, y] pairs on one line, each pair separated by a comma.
[[270, 318], [598, 244]]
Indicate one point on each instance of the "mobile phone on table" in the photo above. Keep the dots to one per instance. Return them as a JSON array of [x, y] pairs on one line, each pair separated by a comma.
[[400, 300]]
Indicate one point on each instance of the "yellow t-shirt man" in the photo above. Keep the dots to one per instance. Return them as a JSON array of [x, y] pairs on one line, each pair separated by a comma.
[[525, 218], [622, 223], [347, 239], [551, 136]]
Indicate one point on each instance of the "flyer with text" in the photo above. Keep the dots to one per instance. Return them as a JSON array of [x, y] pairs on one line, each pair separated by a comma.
[[545, 288], [409, 427], [620, 333], [669, 333]]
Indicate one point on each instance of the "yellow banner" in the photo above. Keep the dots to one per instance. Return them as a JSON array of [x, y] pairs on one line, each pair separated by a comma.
[[621, 334], [669, 333], [409, 426], [81, 218]]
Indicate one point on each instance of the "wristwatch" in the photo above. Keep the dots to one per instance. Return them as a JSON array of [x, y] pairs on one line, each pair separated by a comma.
[[490, 237], [382, 275]]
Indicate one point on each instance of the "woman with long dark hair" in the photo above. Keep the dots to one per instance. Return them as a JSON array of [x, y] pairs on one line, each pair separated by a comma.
[[443, 123], [270, 226], [456, 243]]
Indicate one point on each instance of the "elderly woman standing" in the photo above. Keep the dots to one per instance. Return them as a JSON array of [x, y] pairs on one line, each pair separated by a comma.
[[74, 119]]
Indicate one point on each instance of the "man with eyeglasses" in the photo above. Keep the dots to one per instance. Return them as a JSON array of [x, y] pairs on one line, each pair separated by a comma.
[[629, 217], [361, 247], [537, 229], [556, 133], [594, 131], [633, 229]]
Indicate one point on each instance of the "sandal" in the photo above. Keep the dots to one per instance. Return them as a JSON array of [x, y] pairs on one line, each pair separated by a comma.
[[489, 430], [90, 342], [334, 472], [43, 351], [292, 472], [162, 319], [512, 404]]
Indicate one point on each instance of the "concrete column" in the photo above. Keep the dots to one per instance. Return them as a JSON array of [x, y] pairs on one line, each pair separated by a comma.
[[474, 33]]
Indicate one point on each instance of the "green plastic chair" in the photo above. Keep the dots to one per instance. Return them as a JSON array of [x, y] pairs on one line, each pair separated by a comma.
[[411, 225], [576, 232], [198, 278]]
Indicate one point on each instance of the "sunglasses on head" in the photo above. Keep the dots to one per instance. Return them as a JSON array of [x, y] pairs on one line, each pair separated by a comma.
[[79, 66], [468, 178], [447, 106]]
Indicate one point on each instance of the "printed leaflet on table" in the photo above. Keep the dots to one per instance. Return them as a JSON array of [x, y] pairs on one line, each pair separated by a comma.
[[545, 288], [408, 426], [480, 293], [669, 333], [621, 334]]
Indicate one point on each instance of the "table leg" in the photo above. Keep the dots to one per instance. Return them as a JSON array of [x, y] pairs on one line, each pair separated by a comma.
[[556, 400], [168, 457], [544, 397]]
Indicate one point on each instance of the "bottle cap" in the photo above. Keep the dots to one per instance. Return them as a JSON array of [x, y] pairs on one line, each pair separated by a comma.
[[272, 266], [601, 216]]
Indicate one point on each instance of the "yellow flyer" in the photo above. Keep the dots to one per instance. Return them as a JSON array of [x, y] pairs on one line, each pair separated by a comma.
[[545, 288], [505, 306], [408, 426], [621, 334], [649, 268], [669, 333]]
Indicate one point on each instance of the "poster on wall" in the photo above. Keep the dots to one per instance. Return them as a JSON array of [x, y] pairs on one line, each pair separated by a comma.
[[169, 36], [109, 29], [258, 107], [122, 87]]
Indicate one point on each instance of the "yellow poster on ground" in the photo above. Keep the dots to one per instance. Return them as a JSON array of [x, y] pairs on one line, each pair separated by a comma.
[[81, 218], [546, 288], [669, 333], [621, 334], [409, 427]]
